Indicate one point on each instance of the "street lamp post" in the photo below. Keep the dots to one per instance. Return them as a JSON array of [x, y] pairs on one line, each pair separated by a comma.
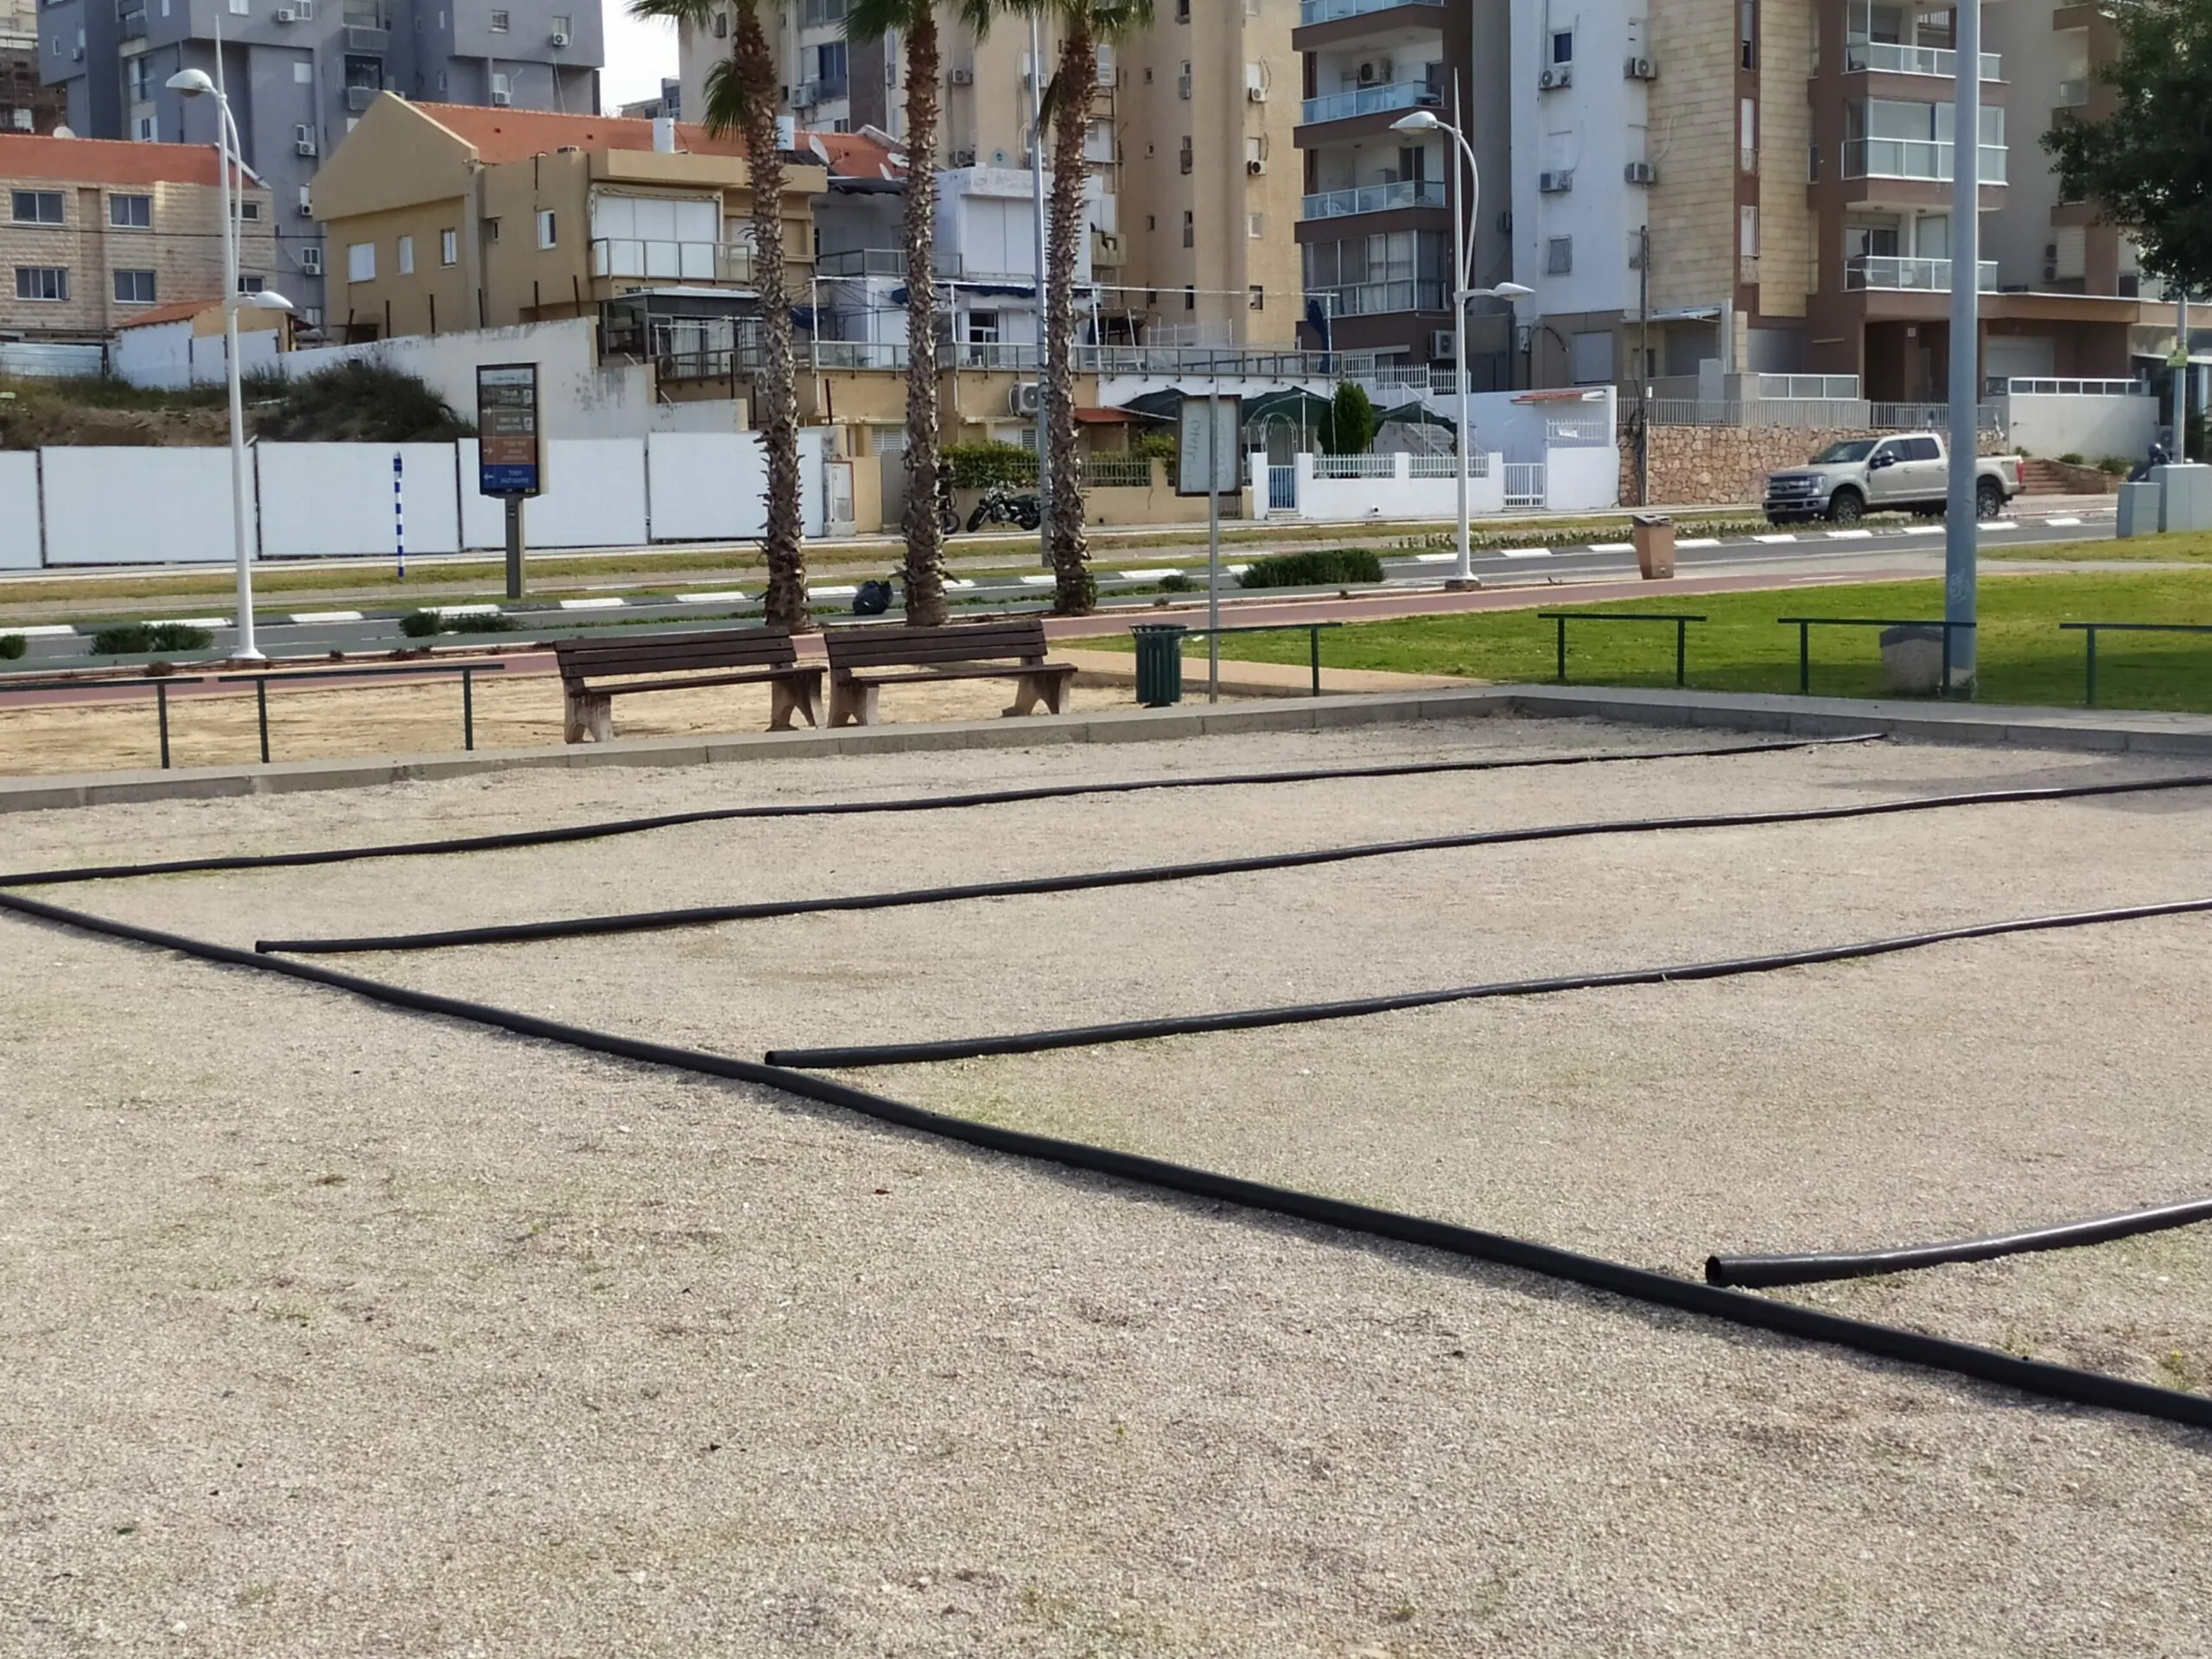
[[194, 83], [1465, 219]]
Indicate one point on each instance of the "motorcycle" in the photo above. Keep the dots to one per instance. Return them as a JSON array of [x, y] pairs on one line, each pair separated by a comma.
[[948, 515], [1001, 505]]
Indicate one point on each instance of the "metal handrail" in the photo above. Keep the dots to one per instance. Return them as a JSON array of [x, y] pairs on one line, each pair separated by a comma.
[[2090, 631], [1681, 633], [1311, 630], [1805, 624]]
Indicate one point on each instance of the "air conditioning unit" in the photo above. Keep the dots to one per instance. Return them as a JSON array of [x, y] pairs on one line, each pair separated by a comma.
[[1257, 94], [1556, 184], [962, 158], [311, 261], [1553, 80], [76, 54], [1367, 74], [1442, 344], [560, 37], [287, 15], [1641, 69], [1026, 398], [962, 76], [1255, 167], [1640, 173], [499, 100], [303, 145], [306, 210]]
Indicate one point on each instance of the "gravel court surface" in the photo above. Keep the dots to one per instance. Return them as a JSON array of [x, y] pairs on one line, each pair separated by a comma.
[[512, 1350]]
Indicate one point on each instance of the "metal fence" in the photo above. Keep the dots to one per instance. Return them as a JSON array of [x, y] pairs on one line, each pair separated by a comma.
[[1354, 466], [1840, 414], [1449, 465], [1112, 472], [1524, 483]]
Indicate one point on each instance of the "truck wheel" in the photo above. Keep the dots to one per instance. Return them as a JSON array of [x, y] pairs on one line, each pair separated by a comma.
[[1988, 499], [1846, 506]]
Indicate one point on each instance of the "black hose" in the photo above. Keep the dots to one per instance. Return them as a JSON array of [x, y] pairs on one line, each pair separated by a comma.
[[1631, 1283], [842, 809], [1137, 1031], [1083, 881], [1754, 1272]]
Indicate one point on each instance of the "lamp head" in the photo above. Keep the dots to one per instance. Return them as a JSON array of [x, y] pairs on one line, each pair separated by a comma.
[[266, 299], [191, 82], [1512, 291], [1417, 121]]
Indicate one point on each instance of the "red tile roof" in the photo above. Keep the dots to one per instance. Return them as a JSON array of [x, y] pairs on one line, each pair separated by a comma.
[[174, 311], [106, 161], [855, 154], [512, 135]]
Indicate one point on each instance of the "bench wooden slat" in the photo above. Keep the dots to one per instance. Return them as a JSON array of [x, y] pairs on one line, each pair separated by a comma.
[[876, 647], [762, 677], [732, 648], [596, 671], [1025, 672]]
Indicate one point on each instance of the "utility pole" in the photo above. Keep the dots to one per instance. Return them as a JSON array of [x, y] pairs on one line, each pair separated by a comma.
[[1959, 526], [1037, 195], [1643, 367]]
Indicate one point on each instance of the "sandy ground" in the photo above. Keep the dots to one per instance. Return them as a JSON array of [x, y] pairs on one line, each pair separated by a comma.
[[333, 1330], [521, 711]]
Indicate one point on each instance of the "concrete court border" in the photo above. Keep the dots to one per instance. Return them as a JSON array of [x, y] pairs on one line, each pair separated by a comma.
[[1973, 723]]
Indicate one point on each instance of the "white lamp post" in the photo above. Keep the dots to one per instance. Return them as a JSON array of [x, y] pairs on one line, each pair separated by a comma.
[[194, 83], [1464, 220]]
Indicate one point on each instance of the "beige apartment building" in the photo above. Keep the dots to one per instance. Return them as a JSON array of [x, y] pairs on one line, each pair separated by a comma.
[[447, 217], [97, 232], [1194, 186]]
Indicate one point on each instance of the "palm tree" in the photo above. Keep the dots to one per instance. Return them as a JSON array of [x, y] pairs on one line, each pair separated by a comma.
[[1085, 26], [741, 93], [915, 23]]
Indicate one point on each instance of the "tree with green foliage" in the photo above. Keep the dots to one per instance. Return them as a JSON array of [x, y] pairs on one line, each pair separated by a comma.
[[1350, 427], [742, 94], [2148, 164]]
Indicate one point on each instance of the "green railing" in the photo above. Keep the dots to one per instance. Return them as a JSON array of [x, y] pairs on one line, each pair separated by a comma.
[[1681, 633]]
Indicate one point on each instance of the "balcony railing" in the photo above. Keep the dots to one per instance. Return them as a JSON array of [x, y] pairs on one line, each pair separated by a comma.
[[2073, 95], [133, 24], [359, 98], [1914, 158], [2005, 386], [1376, 199], [1379, 299], [1368, 100], [1328, 11], [809, 94], [819, 14], [684, 262], [1883, 271], [863, 261], [1897, 60], [363, 38]]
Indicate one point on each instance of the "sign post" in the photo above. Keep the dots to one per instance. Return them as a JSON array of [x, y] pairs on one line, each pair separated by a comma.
[[1207, 460], [509, 459]]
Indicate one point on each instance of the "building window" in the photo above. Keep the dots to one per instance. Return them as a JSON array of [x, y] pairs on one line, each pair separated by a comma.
[[1563, 46], [251, 282], [1747, 137], [41, 283], [560, 27], [448, 247], [1747, 233], [147, 129], [1255, 227], [1190, 229], [303, 72], [545, 228], [1258, 299], [134, 288], [1747, 20], [721, 25], [1559, 256], [1187, 161], [142, 80], [241, 7], [983, 328], [503, 85], [249, 210], [36, 207], [407, 256], [361, 263], [499, 23], [131, 212], [1190, 299], [491, 229]]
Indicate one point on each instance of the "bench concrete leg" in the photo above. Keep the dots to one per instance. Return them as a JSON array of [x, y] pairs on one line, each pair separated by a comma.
[[853, 705], [602, 719], [585, 716], [1032, 689], [789, 697]]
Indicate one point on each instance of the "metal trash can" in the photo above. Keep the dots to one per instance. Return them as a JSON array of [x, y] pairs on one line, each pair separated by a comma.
[[1160, 663], [1653, 536]]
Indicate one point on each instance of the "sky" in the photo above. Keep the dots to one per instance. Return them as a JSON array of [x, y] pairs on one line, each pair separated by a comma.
[[638, 54]]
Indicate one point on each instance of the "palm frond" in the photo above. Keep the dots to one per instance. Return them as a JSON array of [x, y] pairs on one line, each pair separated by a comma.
[[1117, 20], [871, 19], [697, 14], [728, 101]]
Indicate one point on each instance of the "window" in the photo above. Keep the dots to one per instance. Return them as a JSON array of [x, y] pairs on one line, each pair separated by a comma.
[[407, 256], [448, 247], [1190, 229], [1257, 298], [142, 80], [41, 283], [1255, 227], [545, 238], [131, 212], [251, 282], [1559, 256], [1190, 299], [503, 85], [560, 27], [37, 208], [721, 25], [983, 328], [1918, 449], [248, 210], [361, 263], [240, 8], [1747, 233], [1187, 161], [1182, 11], [499, 23], [1747, 133], [147, 129], [303, 72], [1563, 46], [1590, 355], [134, 288], [491, 229], [1747, 19]]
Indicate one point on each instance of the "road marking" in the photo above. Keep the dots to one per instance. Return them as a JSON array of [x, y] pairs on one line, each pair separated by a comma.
[[1147, 576], [51, 631], [2061, 523], [1786, 536], [2002, 524], [1612, 547], [192, 622], [1849, 535], [1525, 553], [593, 604], [835, 592], [1434, 558], [958, 582], [1922, 530], [328, 616], [1234, 569], [463, 610], [732, 597], [1029, 582], [1700, 541]]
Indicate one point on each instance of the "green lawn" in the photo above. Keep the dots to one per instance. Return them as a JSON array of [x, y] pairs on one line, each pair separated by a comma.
[[2024, 657], [2186, 547]]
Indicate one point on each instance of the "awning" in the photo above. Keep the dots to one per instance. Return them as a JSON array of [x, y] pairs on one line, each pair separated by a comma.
[[1415, 415], [1088, 414]]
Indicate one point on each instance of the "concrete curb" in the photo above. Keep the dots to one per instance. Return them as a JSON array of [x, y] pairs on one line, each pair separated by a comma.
[[2177, 734]]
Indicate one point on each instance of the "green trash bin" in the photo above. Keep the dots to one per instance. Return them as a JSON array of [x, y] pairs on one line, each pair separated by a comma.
[[1160, 663]]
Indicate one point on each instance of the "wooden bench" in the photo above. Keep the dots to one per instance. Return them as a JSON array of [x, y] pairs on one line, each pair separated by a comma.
[[973, 651], [757, 656]]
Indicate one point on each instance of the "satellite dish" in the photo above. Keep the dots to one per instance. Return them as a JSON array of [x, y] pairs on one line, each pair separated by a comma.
[[63, 132]]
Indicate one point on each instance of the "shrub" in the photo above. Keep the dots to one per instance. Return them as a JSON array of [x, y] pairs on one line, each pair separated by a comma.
[[979, 465], [1162, 447], [1176, 582], [1351, 424], [12, 645], [360, 402], [133, 639], [419, 624], [2117, 464], [1317, 568], [2071, 458]]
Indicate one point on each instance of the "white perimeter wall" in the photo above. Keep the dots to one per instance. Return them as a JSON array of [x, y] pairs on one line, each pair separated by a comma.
[[136, 506], [1402, 496], [337, 498], [170, 356], [18, 511], [595, 496], [714, 487], [2092, 428]]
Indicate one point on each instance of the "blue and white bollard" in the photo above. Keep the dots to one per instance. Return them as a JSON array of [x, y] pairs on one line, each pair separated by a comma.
[[398, 513]]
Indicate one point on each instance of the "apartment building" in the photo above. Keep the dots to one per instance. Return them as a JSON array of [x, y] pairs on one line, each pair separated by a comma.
[[301, 73], [1193, 193], [26, 104], [98, 232], [452, 217]]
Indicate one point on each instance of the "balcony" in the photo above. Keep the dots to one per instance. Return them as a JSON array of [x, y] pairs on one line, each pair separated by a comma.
[[1380, 299], [685, 262], [1330, 11], [811, 94], [863, 261], [133, 24], [1890, 57], [1888, 271], [1914, 158], [2072, 95], [360, 39], [1376, 199], [359, 98], [1369, 100]]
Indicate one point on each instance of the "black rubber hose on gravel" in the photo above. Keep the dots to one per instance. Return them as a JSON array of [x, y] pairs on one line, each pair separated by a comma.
[[1753, 1272], [1634, 1284], [1137, 1031], [704, 915], [845, 808]]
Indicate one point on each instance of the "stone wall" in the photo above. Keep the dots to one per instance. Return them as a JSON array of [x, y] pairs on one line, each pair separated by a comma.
[[1711, 464]]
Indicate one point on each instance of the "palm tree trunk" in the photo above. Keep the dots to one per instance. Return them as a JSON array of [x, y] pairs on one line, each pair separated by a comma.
[[775, 398], [1075, 593], [924, 533]]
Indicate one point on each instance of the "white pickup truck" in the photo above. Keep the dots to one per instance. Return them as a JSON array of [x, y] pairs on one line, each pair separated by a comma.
[[1910, 471]]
